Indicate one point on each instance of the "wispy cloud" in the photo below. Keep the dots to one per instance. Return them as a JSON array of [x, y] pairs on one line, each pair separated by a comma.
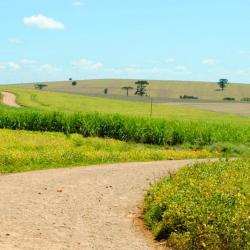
[[78, 3], [209, 61], [85, 64], [170, 60], [42, 22], [15, 40], [13, 65], [244, 52]]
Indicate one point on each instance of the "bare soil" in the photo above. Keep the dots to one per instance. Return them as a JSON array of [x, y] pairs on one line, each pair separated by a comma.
[[96, 207], [9, 99]]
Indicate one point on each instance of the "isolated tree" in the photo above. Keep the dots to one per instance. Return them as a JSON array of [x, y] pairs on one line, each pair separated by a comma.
[[74, 83], [127, 88], [223, 83], [141, 88], [70, 79], [40, 86], [105, 91]]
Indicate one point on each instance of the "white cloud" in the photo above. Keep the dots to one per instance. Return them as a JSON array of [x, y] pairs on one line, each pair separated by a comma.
[[27, 61], [2, 67], [209, 61], [244, 52], [42, 22], [50, 69], [170, 60], [13, 65], [78, 3], [15, 40], [182, 69], [85, 64]]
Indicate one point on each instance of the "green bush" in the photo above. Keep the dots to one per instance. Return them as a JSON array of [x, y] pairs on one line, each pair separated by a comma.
[[229, 99], [245, 99], [127, 128], [206, 206], [188, 97]]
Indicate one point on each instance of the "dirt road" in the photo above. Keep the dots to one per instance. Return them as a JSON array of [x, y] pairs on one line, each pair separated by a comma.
[[9, 99], [93, 207]]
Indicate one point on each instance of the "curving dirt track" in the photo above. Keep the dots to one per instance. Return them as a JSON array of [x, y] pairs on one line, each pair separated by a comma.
[[9, 99], [94, 207]]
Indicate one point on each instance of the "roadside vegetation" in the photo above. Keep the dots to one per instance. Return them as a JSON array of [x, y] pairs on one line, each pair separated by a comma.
[[25, 151], [205, 206]]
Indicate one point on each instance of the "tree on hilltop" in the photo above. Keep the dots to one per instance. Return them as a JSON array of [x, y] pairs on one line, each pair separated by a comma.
[[141, 88], [223, 83], [127, 88], [40, 86]]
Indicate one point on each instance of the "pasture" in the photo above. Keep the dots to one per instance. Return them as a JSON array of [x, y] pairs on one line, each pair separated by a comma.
[[157, 89]]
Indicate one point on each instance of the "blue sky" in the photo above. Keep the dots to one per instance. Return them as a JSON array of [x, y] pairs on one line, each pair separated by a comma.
[[44, 40]]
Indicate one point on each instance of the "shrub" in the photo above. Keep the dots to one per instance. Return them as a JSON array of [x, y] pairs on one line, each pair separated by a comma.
[[205, 206], [245, 99], [188, 97], [229, 99]]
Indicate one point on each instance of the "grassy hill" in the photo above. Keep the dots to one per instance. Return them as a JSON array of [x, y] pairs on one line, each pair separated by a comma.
[[159, 89], [47, 100]]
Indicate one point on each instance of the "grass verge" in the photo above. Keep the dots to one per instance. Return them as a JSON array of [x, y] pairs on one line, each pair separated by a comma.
[[25, 151], [205, 206]]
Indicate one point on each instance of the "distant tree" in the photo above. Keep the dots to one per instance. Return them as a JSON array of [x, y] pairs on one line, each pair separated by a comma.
[[223, 83], [74, 83], [105, 91], [70, 79], [40, 86], [127, 88], [141, 88]]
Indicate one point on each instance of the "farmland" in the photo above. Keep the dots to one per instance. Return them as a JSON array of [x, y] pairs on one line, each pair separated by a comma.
[[157, 89], [54, 129], [211, 212]]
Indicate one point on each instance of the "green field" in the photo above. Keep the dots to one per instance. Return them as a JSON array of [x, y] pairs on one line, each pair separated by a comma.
[[205, 206], [25, 151], [164, 89], [45, 100], [202, 207]]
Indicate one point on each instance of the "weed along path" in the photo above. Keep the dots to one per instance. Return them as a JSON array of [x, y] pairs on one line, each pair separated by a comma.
[[94, 207], [9, 99]]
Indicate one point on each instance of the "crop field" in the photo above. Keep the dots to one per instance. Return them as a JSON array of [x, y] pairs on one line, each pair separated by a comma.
[[55, 130], [24, 151], [162, 89], [205, 206], [45, 100]]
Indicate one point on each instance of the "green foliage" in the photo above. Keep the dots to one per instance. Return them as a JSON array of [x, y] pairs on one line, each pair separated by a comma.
[[74, 83], [229, 99], [188, 97], [205, 206], [127, 128], [40, 86], [127, 88], [141, 88], [223, 83], [25, 151], [245, 99]]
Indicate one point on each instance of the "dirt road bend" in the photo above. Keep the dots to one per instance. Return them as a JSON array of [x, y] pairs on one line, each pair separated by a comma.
[[80, 208], [9, 99]]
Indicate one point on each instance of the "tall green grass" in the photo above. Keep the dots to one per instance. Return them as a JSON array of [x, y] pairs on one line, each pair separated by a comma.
[[127, 128]]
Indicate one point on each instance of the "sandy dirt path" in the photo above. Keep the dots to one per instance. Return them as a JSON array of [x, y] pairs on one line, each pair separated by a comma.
[[94, 207], [9, 99]]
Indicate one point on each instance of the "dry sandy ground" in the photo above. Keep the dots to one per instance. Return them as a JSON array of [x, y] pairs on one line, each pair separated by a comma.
[[94, 207], [9, 99]]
